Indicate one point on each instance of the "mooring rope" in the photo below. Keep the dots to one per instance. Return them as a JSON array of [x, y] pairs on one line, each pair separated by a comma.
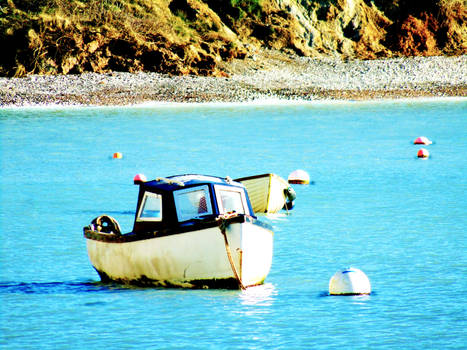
[[223, 226]]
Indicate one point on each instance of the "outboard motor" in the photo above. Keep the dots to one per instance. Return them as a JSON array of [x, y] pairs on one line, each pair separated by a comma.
[[290, 196]]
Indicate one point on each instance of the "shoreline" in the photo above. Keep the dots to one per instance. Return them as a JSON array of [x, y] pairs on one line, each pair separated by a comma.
[[246, 104], [269, 77]]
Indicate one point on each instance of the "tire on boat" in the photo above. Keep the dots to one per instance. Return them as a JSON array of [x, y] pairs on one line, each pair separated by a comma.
[[106, 224]]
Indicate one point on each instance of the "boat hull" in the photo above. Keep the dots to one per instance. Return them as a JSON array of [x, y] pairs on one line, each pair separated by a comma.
[[238, 255]]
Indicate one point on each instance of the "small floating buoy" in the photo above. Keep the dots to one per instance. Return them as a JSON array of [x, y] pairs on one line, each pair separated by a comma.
[[422, 140], [300, 177], [423, 153], [349, 281], [117, 155], [139, 179]]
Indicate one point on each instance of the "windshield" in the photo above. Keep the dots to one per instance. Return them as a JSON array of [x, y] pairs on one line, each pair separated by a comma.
[[151, 207], [231, 199], [193, 202]]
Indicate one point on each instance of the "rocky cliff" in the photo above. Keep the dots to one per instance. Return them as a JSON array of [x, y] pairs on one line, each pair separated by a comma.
[[198, 37]]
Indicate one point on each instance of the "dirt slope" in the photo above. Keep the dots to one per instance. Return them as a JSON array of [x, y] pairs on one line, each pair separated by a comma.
[[198, 37]]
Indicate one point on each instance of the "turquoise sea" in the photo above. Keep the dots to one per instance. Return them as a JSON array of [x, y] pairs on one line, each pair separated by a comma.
[[373, 205]]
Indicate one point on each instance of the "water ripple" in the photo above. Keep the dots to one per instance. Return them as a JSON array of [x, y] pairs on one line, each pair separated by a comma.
[[57, 287]]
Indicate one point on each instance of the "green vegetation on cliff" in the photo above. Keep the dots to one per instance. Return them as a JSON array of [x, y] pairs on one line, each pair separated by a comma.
[[195, 36]]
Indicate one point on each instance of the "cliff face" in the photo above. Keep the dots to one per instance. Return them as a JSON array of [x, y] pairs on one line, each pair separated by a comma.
[[195, 37], [369, 29]]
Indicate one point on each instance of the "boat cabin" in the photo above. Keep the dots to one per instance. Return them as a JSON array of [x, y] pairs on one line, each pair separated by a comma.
[[182, 201]]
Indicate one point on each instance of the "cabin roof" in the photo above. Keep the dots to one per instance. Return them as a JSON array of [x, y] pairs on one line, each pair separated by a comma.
[[177, 182]]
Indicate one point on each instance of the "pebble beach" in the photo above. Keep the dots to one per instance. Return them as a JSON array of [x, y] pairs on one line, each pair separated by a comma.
[[258, 77]]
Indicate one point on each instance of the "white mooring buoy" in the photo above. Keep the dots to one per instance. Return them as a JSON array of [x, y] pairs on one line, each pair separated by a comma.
[[350, 281], [299, 176]]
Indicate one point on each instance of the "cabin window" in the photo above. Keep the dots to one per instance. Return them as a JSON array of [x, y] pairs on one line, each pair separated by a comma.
[[193, 202], [151, 207], [231, 199]]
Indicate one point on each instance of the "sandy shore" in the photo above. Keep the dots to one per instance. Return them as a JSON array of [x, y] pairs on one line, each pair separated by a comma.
[[265, 76]]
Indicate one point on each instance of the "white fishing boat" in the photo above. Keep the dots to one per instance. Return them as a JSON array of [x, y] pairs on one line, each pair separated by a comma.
[[269, 193], [190, 231]]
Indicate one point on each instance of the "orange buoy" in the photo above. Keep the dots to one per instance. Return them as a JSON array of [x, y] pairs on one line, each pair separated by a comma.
[[117, 155], [422, 140], [139, 179], [423, 153], [299, 177]]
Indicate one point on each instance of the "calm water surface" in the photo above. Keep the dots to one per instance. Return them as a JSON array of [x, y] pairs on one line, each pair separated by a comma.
[[373, 205]]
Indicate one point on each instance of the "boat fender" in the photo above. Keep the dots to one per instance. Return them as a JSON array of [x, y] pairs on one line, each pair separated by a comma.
[[290, 196], [106, 224]]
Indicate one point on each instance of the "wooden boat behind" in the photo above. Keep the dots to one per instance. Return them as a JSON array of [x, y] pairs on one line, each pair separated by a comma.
[[268, 193]]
